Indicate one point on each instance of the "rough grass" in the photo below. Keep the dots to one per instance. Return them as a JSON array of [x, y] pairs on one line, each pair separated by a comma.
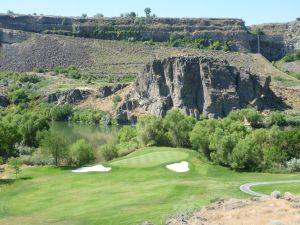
[[294, 188], [124, 196]]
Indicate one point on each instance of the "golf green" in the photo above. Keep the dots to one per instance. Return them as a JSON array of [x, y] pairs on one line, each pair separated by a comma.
[[123, 196]]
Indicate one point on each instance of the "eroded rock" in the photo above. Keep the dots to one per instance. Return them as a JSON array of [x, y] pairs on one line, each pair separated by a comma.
[[198, 85], [67, 97]]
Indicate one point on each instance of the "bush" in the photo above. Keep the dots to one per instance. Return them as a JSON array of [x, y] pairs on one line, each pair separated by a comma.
[[293, 165], [81, 152], [61, 113], [126, 134], [15, 164], [37, 158], [109, 151], [276, 118], [250, 115], [90, 116], [150, 131], [54, 145], [117, 99], [178, 126]]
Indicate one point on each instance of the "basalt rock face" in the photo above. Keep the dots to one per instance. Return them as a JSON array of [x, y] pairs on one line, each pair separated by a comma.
[[198, 85], [278, 39], [67, 97], [109, 90]]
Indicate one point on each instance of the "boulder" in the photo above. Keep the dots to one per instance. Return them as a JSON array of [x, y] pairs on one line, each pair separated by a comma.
[[4, 101], [276, 194]]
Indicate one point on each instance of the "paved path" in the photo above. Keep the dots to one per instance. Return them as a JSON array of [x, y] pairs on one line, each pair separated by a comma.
[[246, 188]]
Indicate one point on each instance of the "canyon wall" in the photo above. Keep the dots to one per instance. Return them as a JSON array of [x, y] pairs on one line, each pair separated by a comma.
[[197, 85]]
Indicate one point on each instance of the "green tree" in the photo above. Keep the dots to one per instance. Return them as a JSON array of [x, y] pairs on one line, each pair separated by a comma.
[[126, 134], [109, 151], [54, 145], [15, 164], [81, 152], [99, 15], [150, 131], [178, 126], [61, 113], [147, 12], [246, 155], [200, 135], [250, 115], [84, 15]]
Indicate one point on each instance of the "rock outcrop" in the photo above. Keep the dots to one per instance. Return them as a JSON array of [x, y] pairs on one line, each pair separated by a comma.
[[197, 85], [109, 90], [67, 97], [4, 101]]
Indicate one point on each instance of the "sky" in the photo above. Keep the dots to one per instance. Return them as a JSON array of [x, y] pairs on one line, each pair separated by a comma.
[[251, 11]]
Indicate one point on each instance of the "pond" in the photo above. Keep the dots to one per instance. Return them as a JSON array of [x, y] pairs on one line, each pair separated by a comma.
[[96, 135]]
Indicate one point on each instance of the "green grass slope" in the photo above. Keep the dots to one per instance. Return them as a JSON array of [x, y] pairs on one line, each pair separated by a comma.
[[124, 196]]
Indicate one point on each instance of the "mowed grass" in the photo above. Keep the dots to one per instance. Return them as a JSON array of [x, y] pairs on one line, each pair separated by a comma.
[[294, 188], [124, 196], [151, 159]]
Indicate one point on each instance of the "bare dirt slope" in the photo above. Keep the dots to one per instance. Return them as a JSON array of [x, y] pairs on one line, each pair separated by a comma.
[[262, 211]]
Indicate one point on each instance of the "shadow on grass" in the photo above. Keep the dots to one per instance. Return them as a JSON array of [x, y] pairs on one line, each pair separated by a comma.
[[11, 181], [25, 178], [7, 181], [66, 167]]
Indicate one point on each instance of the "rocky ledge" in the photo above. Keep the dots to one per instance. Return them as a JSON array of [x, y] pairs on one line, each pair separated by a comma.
[[67, 97], [198, 85]]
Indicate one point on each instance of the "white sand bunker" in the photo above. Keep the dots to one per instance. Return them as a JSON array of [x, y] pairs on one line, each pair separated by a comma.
[[179, 167], [98, 168]]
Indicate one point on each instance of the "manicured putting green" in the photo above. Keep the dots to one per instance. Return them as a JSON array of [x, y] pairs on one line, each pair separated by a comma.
[[151, 159]]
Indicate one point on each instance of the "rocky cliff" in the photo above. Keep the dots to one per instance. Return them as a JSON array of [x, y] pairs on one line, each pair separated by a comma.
[[197, 85], [232, 31], [278, 39]]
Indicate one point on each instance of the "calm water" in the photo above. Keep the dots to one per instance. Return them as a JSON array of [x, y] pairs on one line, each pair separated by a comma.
[[96, 135]]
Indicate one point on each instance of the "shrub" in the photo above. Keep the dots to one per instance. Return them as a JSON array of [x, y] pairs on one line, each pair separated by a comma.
[[15, 164], [81, 152], [117, 99], [109, 151], [250, 114], [178, 127], [61, 112], [18, 95], [293, 165], [54, 146], [90, 116], [126, 134], [276, 118], [37, 158], [150, 131]]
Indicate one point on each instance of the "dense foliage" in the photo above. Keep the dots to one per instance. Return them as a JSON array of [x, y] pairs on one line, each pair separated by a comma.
[[245, 140]]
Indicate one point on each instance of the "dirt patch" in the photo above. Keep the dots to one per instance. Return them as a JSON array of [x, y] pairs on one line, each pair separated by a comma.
[[260, 211]]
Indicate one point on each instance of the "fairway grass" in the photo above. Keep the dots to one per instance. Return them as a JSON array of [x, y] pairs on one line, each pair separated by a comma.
[[123, 196], [267, 189]]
